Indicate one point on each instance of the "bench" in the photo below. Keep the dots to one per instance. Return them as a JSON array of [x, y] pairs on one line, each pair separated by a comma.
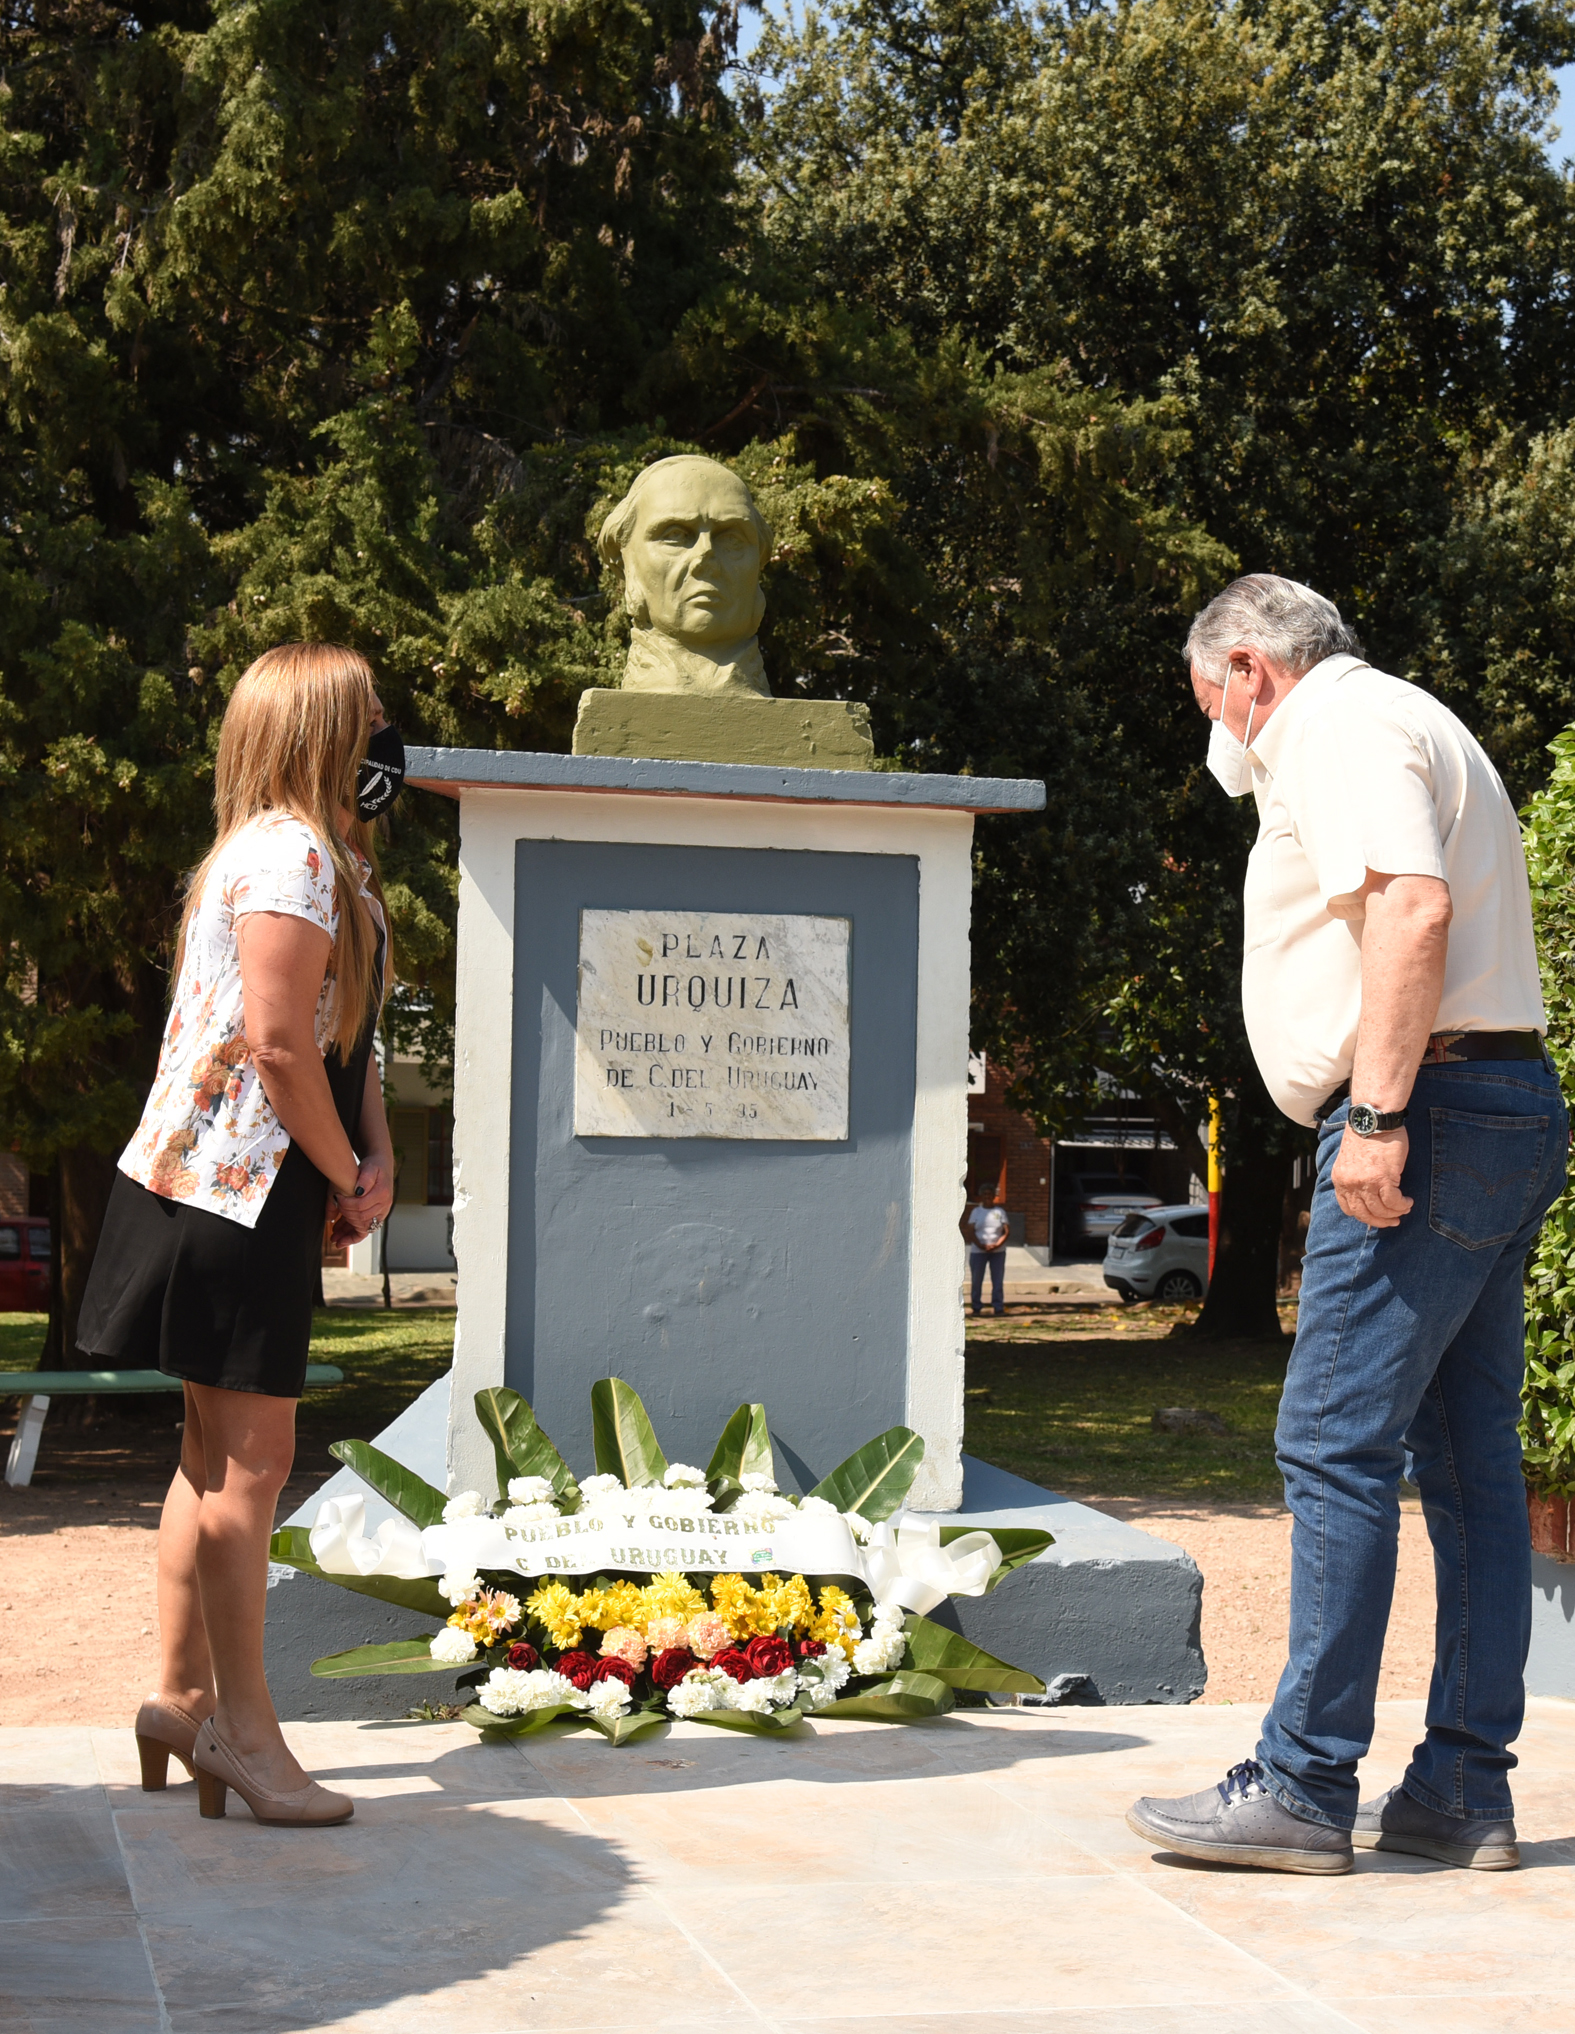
[[36, 1388]]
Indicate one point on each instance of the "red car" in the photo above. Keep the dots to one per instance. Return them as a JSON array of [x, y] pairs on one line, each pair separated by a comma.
[[24, 1265]]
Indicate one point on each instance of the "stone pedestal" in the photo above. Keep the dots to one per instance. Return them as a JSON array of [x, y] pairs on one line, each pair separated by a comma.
[[780, 1221], [805, 734]]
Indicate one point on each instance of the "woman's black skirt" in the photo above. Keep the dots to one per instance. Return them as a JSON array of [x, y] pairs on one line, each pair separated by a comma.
[[190, 1293]]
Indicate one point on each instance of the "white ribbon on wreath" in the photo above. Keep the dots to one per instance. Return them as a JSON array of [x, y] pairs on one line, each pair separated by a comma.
[[340, 1545], [906, 1563]]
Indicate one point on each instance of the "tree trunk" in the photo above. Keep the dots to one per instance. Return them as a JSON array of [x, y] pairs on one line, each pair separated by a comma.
[[82, 1180], [1258, 1152]]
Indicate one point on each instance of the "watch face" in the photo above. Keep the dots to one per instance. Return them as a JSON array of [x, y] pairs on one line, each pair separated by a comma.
[[1363, 1119]]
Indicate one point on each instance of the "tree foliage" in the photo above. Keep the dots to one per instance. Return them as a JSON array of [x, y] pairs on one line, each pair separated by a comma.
[[1027, 329]]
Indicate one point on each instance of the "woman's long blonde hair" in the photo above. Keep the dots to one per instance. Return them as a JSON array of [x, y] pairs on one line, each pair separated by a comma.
[[294, 733]]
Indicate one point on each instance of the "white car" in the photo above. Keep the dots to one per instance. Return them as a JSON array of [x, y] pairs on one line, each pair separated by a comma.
[[1160, 1254]]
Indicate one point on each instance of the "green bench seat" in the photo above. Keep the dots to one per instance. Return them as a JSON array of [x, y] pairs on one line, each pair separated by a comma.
[[36, 1388]]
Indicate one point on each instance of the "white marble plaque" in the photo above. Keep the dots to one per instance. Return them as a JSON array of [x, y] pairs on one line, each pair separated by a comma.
[[712, 1024]]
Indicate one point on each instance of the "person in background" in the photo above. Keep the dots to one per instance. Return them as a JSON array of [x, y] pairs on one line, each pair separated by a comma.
[[987, 1252], [1391, 995], [264, 1121]]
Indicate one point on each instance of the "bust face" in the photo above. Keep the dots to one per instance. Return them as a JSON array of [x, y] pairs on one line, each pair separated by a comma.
[[693, 558]]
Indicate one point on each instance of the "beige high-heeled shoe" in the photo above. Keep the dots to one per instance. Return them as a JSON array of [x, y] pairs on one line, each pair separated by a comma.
[[163, 1726], [218, 1769]]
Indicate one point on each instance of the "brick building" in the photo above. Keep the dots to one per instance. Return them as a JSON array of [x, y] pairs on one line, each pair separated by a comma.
[[1034, 1177]]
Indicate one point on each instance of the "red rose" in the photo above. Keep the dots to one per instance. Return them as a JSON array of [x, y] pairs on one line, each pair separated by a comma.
[[523, 1657], [578, 1667], [670, 1667], [736, 1663], [611, 1668], [812, 1649], [769, 1656]]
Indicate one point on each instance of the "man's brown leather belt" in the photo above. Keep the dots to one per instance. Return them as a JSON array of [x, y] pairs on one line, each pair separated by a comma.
[[1449, 1048]]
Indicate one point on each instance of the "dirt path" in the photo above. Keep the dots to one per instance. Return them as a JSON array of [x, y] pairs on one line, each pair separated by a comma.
[[81, 1644], [1244, 1551]]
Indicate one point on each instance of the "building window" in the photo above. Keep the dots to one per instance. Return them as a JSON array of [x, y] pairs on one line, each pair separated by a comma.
[[440, 1158], [423, 1157]]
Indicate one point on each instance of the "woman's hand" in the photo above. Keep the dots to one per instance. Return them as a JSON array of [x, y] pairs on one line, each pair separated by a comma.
[[360, 1214]]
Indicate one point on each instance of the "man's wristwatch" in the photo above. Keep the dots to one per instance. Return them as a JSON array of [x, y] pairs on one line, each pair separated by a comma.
[[1367, 1121]]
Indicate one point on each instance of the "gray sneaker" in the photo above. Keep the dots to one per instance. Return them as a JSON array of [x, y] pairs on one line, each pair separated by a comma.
[[1240, 1822], [1395, 1822]]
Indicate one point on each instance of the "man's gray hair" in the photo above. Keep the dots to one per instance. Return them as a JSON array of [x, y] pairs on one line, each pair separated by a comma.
[[1285, 621]]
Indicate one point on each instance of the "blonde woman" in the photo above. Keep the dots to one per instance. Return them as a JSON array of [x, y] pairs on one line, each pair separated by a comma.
[[266, 1116]]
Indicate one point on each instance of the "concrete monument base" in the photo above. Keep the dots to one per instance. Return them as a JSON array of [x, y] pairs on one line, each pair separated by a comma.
[[707, 727], [1108, 1611]]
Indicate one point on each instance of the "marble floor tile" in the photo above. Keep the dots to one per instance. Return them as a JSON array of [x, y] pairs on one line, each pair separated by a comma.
[[1481, 2013], [786, 1833], [1393, 1927], [81, 1972], [1283, 2016], [936, 1946], [58, 1855]]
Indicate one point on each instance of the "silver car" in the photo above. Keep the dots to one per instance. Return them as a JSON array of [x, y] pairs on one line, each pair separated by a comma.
[[1160, 1254], [1097, 1206]]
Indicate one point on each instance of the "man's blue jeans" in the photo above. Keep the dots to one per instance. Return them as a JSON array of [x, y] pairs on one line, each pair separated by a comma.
[[1410, 1350], [978, 1261]]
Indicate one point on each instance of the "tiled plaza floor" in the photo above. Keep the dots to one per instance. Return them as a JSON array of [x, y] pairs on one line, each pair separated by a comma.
[[949, 1878]]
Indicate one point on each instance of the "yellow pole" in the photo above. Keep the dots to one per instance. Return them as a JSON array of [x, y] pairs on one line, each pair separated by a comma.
[[1214, 1179]]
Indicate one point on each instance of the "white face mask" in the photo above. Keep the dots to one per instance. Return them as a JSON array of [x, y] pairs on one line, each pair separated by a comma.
[[1227, 760]]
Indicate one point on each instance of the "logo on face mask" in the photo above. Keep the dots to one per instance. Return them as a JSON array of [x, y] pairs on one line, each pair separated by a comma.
[[381, 774], [1227, 759]]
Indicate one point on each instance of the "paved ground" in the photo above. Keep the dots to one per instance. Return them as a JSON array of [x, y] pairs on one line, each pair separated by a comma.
[[971, 1876]]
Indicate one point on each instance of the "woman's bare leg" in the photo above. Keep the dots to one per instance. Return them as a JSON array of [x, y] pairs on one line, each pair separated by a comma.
[[186, 1671], [248, 1447]]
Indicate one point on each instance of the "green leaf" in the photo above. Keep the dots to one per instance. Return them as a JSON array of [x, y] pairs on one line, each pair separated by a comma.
[[622, 1434], [399, 1656], [770, 1725], [725, 1492], [744, 1448], [519, 1726], [404, 1489], [519, 1444], [875, 1481], [949, 1657], [624, 1729], [1017, 1544], [905, 1696], [291, 1547]]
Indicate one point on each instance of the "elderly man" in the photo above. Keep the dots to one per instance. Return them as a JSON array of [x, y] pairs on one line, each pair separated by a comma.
[[1391, 997]]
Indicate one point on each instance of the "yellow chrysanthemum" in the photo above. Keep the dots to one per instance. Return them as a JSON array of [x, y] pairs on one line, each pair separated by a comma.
[[734, 1600], [836, 1622], [560, 1610], [670, 1595], [622, 1603], [786, 1601]]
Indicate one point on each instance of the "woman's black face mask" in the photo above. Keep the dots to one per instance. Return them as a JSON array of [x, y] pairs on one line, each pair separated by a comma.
[[381, 774]]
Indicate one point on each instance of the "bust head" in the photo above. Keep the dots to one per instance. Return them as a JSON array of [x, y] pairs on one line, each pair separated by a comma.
[[692, 544]]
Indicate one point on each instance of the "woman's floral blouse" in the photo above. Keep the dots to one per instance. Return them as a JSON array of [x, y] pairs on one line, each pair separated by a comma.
[[208, 1135]]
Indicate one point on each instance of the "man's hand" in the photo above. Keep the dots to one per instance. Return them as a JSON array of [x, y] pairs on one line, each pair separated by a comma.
[[1367, 1178]]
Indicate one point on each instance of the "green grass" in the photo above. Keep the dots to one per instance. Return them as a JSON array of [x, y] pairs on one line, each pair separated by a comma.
[[1063, 1408]]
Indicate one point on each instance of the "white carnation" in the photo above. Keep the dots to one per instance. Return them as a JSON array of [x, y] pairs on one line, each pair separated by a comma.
[[760, 1508], [680, 1476], [698, 1692], [783, 1686], [509, 1691], [529, 1514], [891, 1615], [459, 1585], [818, 1504], [758, 1480], [530, 1489], [882, 1652], [859, 1526], [607, 1698], [753, 1698], [467, 1504], [595, 1489], [822, 1677], [453, 1647]]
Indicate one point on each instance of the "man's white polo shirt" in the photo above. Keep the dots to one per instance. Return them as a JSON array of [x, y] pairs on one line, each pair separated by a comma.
[[1355, 771]]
